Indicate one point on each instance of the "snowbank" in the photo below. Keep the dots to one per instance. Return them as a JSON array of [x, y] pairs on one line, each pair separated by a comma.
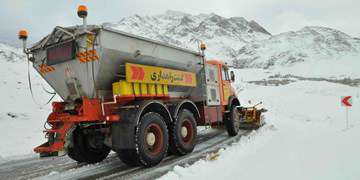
[[21, 120], [339, 68], [305, 138]]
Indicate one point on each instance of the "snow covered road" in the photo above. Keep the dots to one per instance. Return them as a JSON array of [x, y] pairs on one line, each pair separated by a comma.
[[112, 168]]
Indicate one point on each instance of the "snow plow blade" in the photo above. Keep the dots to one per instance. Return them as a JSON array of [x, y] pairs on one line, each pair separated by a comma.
[[251, 117]]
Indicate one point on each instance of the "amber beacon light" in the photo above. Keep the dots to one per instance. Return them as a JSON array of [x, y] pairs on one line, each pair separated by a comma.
[[202, 46], [82, 13], [23, 35]]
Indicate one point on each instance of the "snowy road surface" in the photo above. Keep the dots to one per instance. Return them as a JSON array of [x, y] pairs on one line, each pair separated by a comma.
[[112, 168]]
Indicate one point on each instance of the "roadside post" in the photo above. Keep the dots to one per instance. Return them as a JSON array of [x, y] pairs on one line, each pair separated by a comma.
[[346, 101]]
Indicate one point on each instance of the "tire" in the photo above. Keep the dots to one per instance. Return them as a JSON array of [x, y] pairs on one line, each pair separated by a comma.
[[183, 133], [127, 156], [83, 151], [151, 142], [232, 123]]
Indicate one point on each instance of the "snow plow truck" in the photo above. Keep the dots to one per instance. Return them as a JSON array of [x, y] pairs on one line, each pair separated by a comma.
[[138, 97]]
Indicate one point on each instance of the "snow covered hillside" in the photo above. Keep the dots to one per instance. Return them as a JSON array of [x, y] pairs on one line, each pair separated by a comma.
[[305, 136], [223, 36], [245, 43], [308, 45], [21, 120]]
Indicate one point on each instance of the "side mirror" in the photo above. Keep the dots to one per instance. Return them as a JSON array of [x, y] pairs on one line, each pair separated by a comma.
[[232, 76]]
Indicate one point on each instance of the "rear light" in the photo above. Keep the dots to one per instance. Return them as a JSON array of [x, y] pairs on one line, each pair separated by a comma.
[[113, 117], [57, 107]]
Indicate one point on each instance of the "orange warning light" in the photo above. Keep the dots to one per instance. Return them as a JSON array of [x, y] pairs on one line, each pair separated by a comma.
[[82, 11], [23, 34], [202, 46]]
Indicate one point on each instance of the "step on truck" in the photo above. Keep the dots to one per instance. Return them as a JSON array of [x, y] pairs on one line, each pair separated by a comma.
[[141, 98]]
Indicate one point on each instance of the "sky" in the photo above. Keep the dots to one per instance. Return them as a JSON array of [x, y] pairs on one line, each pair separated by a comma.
[[39, 17]]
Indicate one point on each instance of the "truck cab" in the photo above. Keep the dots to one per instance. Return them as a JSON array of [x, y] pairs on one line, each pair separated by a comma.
[[225, 88]]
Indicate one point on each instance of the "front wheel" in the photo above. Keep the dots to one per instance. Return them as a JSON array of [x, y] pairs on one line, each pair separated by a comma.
[[232, 123]]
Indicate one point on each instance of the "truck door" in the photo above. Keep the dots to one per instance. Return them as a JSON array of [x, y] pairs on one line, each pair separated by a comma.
[[225, 85], [212, 85]]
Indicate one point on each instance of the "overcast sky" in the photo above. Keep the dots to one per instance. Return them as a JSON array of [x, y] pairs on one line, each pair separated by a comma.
[[40, 16]]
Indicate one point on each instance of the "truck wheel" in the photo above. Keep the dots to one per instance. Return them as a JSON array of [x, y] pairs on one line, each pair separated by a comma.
[[87, 147], [183, 133], [151, 142], [232, 123], [151, 139], [128, 156]]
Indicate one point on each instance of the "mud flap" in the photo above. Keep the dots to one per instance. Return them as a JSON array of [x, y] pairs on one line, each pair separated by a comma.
[[123, 132]]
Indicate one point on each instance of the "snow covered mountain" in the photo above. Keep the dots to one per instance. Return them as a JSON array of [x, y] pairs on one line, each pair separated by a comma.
[[10, 54], [308, 44], [224, 37], [241, 42]]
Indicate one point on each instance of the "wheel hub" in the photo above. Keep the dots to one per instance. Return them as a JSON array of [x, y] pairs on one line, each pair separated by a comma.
[[153, 139], [150, 139], [184, 131]]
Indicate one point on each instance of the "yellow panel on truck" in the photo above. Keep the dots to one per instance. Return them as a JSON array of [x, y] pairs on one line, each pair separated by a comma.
[[159, 75]]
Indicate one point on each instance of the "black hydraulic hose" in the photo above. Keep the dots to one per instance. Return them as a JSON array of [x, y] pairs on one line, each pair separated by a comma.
[[31, 90]]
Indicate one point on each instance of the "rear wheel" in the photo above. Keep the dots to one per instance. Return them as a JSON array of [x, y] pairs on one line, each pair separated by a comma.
[[88, 146], [128, 156], [232, 123], [151, 142], [183, 133]]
